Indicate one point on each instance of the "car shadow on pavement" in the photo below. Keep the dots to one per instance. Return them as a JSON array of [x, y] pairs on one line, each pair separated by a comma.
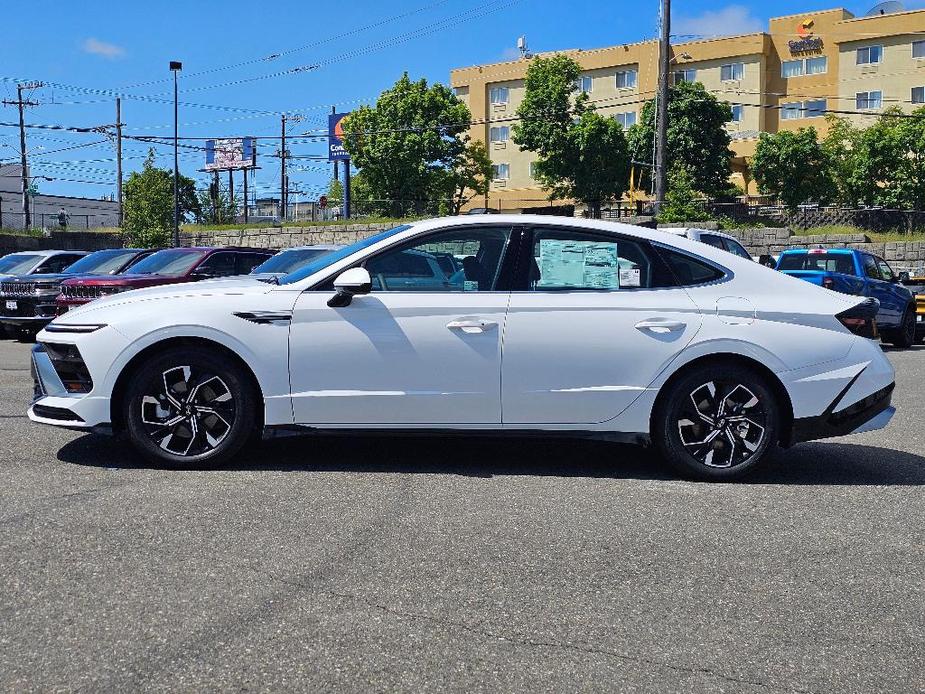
[[817, 463]]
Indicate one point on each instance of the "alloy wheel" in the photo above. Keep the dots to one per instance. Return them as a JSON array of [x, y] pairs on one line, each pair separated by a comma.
[[186, 413], [722, 424]]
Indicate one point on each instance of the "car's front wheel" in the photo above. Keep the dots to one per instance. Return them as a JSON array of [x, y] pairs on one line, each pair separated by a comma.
[[189, 407], [716, 422]]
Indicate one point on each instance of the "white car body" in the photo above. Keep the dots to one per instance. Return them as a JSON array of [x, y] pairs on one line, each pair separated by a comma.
[[582, 361]]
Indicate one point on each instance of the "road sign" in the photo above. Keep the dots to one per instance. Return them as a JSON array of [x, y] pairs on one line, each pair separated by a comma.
[[323, 201], [336, 151]]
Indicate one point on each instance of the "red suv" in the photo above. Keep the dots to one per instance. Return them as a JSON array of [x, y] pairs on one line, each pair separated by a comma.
[[170, 266]]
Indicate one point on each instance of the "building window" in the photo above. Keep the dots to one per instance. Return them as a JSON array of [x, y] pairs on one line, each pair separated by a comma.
[[869, 55], [918, 49], [499, 133], [918, 95], [791, 110], [584, 84], [868, 100], [733, 71], [791, 68], [816, 66], [689, 75], [814, 108], [500, 172], [626, 79], [498, 95], [626, 119], [737, 113]]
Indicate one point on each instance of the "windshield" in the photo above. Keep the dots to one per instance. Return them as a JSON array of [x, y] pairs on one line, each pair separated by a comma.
[[327, 259], [818, 262], [17, 264], [172, 263], [287, 261], [103, 262]]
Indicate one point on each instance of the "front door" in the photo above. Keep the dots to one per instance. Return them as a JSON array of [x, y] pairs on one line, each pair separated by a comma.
[[601, 318], [423, 347]]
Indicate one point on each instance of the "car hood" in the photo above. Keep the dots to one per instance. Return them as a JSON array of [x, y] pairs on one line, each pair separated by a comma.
[[47, 278], [179, 289]]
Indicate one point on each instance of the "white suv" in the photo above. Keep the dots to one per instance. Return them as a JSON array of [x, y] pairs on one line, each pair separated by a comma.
[[712, 238]]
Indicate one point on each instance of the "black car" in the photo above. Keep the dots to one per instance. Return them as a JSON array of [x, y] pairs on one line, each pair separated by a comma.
[[27, 302]]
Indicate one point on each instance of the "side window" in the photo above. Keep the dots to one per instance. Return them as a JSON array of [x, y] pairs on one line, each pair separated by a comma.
[[886, 272], [714, 241], [58, 263], [689, 271], [736, 248], [870, 267], [218, 265], [248, 261], [457, 260], [570, 260]]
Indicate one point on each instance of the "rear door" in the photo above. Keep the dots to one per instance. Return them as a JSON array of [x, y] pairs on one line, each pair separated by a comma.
[[597, 318]]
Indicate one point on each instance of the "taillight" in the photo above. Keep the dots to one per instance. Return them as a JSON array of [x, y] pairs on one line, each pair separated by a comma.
[[861, 319]]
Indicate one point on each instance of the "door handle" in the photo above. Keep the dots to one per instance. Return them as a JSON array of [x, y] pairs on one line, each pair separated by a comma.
[[660, 325], [471, 325]]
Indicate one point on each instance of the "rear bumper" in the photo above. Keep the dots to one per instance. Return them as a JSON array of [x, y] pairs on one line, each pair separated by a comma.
[[867, 414]]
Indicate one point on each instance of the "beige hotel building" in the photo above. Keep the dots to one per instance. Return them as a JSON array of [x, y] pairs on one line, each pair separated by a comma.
[[782, 79]]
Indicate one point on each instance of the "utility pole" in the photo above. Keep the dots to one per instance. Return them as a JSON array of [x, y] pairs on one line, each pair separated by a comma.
[[661, 137], [23, 162], [119, 157], [175, 67], [245, 196], [283, 202]]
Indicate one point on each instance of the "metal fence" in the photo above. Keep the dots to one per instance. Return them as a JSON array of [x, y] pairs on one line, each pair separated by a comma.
[[49, 221]]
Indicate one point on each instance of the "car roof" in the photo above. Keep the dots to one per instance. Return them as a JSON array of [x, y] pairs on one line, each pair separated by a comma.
[[314, 247], [682, 231], [793, 251]]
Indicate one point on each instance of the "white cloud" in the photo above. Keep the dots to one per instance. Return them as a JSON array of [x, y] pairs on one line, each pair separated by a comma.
[[109, 51], [728, 21]]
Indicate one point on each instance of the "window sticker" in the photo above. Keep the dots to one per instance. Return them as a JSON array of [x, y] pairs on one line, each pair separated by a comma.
[[470, 286], [629, 276], [580, 264]]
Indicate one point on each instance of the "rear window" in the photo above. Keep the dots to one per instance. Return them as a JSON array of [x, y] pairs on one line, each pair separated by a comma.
[[817, 262]]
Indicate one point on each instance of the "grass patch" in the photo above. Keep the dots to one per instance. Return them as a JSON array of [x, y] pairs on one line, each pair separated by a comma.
[[875, 236]]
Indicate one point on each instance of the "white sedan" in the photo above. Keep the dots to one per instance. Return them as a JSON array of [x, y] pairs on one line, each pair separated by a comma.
[[507, 324]]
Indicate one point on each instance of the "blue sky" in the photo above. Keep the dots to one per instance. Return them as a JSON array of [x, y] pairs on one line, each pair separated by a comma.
[[355, 50]]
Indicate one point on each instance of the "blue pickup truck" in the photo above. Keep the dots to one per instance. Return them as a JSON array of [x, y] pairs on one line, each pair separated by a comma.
[[852, 271]]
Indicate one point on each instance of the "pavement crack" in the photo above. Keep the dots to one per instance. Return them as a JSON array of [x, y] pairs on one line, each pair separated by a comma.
[[516, 638]]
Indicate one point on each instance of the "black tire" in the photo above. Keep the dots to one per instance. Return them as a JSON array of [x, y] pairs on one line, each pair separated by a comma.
[[190, 407], [696, 435], [904, 336]]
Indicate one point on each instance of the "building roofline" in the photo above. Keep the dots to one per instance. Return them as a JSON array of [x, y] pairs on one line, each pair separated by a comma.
[[884, 16], [812, 12], [564, 51]]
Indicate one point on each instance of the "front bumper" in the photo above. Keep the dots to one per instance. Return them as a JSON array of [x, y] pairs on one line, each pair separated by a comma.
[[52, 404], [27, 312]]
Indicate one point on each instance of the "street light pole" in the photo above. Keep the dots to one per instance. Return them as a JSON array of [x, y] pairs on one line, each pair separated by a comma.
[[175, 67], [661, 126]]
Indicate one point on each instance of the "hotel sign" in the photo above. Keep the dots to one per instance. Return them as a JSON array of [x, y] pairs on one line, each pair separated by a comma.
[[806, 42]]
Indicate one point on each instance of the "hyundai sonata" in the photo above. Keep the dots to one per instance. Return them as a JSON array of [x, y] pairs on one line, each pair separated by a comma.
[[560, 326]]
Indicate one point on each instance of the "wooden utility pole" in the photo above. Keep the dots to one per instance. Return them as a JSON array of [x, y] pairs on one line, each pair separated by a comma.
[[119, 158], [283, 201], [661, 127], [23, 160]]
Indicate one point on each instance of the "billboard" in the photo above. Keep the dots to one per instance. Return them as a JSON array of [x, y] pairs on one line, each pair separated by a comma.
[[336, 151], [231, 153]]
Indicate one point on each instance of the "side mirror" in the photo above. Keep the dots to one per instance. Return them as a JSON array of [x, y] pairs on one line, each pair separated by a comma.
[[348, 284], [903, 277]]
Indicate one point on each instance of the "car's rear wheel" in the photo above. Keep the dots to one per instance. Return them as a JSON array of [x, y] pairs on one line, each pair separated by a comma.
[[190, 408], [905, 333], [716, 422]]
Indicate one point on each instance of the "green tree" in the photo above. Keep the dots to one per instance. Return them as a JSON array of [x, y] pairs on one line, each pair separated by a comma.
[[405, 143], [793, 166], [214, 207], [580, 154], [697, 138], [681, 200], [842, 147], [148, 206], [468, 177], [890, 165], [336, 191]]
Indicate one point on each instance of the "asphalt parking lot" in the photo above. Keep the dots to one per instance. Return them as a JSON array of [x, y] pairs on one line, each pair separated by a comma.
[[462, 564]]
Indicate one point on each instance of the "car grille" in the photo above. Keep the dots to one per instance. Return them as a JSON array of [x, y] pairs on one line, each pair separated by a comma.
[[82, 292], [17, 288]]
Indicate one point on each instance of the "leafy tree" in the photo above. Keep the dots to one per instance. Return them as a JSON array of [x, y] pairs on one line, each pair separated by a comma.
[[469, 177], [793, 166], [405, 143], [697, 139], [214, 207], [890, 164], [581, 154], [842, 147], [336, 191], [680, 204], [149, 204]]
